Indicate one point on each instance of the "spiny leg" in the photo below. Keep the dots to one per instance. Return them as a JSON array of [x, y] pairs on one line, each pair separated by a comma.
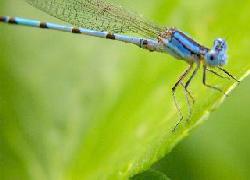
[[217, 74], [228, 73], [189, 81], [188, 94], [209, 86], [183, 75]]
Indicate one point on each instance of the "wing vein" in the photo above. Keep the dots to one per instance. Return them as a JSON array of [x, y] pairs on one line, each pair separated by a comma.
[[98, 15]]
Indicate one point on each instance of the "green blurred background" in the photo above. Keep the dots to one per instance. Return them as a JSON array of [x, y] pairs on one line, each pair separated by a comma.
[[75, 107]]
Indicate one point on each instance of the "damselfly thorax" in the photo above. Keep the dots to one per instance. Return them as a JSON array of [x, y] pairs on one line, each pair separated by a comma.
[[181, 46]]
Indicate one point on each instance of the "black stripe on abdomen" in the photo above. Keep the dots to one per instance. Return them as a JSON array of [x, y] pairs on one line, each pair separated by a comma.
[[76, 30], [43, 25], [12, 20], [110, 36]]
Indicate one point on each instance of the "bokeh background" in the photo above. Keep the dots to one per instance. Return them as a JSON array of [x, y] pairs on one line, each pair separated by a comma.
[[76, 107]]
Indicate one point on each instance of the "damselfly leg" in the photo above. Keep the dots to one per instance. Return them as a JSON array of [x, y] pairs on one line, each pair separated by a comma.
[[180, 81]]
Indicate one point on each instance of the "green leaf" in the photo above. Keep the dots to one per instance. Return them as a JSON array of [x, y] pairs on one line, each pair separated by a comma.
[[78, 107]]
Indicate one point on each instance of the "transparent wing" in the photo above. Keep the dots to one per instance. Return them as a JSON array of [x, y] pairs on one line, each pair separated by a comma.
[[98, 15]]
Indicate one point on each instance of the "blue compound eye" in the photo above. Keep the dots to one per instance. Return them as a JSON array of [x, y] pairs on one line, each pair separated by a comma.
[[217, 56], [212, 57]]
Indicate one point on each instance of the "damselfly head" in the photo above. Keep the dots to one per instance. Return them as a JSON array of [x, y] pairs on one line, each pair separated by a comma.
[[217, 56]]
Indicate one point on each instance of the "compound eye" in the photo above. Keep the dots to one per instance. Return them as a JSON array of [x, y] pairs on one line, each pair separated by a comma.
[[212, 57]]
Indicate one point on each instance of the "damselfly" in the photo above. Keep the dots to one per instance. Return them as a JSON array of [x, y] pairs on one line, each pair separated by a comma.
[[102, 19]]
